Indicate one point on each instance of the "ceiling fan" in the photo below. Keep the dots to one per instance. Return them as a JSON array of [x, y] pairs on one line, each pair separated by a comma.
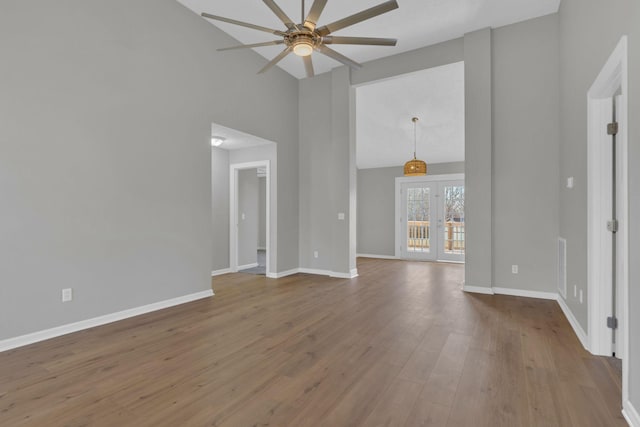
[[302, 39]]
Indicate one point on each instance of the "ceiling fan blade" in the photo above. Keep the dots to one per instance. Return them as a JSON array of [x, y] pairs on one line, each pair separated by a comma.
[[358, 17], [243, 24], [247, 46], [271, 4], [308, 65], [314, 14], [275, 60], [374, 41], [338, 56]]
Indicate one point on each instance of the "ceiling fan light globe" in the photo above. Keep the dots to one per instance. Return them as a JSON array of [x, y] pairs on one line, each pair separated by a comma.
[[303, 48]]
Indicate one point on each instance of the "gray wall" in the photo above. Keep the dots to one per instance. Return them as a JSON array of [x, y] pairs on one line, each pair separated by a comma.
[[105, 163], [589, 31], [220, 204], [247, 217], [478, 156], [316, 207], [526, 78], [262, 213], [376, 206]]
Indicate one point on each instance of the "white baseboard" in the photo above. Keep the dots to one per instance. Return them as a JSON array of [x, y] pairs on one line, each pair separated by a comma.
[[581, 334], [477, 289], [220, 272], [351, 275], [631, 414], [283, 273], [247, 266], [376, 256], [34, 337], [523, 293], [314, 271]]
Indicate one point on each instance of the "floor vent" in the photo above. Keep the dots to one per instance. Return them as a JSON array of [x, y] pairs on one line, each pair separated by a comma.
[[562, 267]]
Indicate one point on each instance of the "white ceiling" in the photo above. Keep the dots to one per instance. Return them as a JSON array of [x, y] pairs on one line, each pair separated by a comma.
[[236, 140], [416, 23], [384, 130]]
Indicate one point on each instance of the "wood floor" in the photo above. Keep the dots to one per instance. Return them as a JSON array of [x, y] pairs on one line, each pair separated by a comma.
[[401, 345]]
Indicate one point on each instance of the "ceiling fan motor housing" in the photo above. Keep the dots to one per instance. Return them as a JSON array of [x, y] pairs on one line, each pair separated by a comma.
[[302, 42]]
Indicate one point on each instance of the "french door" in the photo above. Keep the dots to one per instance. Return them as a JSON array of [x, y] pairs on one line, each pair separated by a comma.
[[432, 220]]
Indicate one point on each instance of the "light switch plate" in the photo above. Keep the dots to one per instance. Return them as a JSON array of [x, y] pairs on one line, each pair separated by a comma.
[[341, 216]]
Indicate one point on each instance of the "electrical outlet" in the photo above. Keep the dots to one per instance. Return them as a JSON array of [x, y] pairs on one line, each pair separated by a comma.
[[67, 295], [315, 254], [580, 296], [514, 268], [341, 216], [243, 216], [570, 182]]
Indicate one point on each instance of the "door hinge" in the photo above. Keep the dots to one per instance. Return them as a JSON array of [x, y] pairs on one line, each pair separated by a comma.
[[612, 128], [612, 322], [612, 225]]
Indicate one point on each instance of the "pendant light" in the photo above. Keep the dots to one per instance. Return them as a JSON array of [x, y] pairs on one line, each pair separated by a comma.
[[415, 167]]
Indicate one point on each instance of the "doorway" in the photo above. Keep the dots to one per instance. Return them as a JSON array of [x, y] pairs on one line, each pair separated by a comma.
[[430, 223], [608, 241], [249, 224]]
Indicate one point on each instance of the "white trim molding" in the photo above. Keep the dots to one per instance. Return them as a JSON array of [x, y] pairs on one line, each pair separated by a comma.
[[376, 256], [478, 289], [315, 271], [610, 86], [247, 266], [350, 275], [524, 293], [283, 273], [271, 215], [215, 273], [46, 334], [580, 333], [630, 414]]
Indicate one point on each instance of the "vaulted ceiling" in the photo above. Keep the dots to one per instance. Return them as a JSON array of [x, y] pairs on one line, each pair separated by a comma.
[[384, 130], [416, 23]]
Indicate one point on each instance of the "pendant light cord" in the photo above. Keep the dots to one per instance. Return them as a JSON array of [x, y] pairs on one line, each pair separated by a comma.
[[415, 138]]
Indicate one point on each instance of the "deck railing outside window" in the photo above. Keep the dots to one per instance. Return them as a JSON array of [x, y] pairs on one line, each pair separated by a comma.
[[418, 238]]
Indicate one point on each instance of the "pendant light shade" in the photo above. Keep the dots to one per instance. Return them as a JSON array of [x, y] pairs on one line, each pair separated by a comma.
[[415, 167]]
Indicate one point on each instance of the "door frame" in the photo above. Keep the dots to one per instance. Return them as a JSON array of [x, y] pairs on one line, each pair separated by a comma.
[[402, 226], [612, 80], [234, 168], [409, 179]]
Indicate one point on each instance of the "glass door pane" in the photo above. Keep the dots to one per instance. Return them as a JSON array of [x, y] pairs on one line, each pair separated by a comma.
[[418, 215], [453, 231], [419, 240]]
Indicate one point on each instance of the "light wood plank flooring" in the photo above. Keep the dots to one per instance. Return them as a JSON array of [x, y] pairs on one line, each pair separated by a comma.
[[401, 345]]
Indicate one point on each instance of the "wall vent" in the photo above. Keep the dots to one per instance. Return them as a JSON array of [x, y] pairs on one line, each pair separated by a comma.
[[562, 267]]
